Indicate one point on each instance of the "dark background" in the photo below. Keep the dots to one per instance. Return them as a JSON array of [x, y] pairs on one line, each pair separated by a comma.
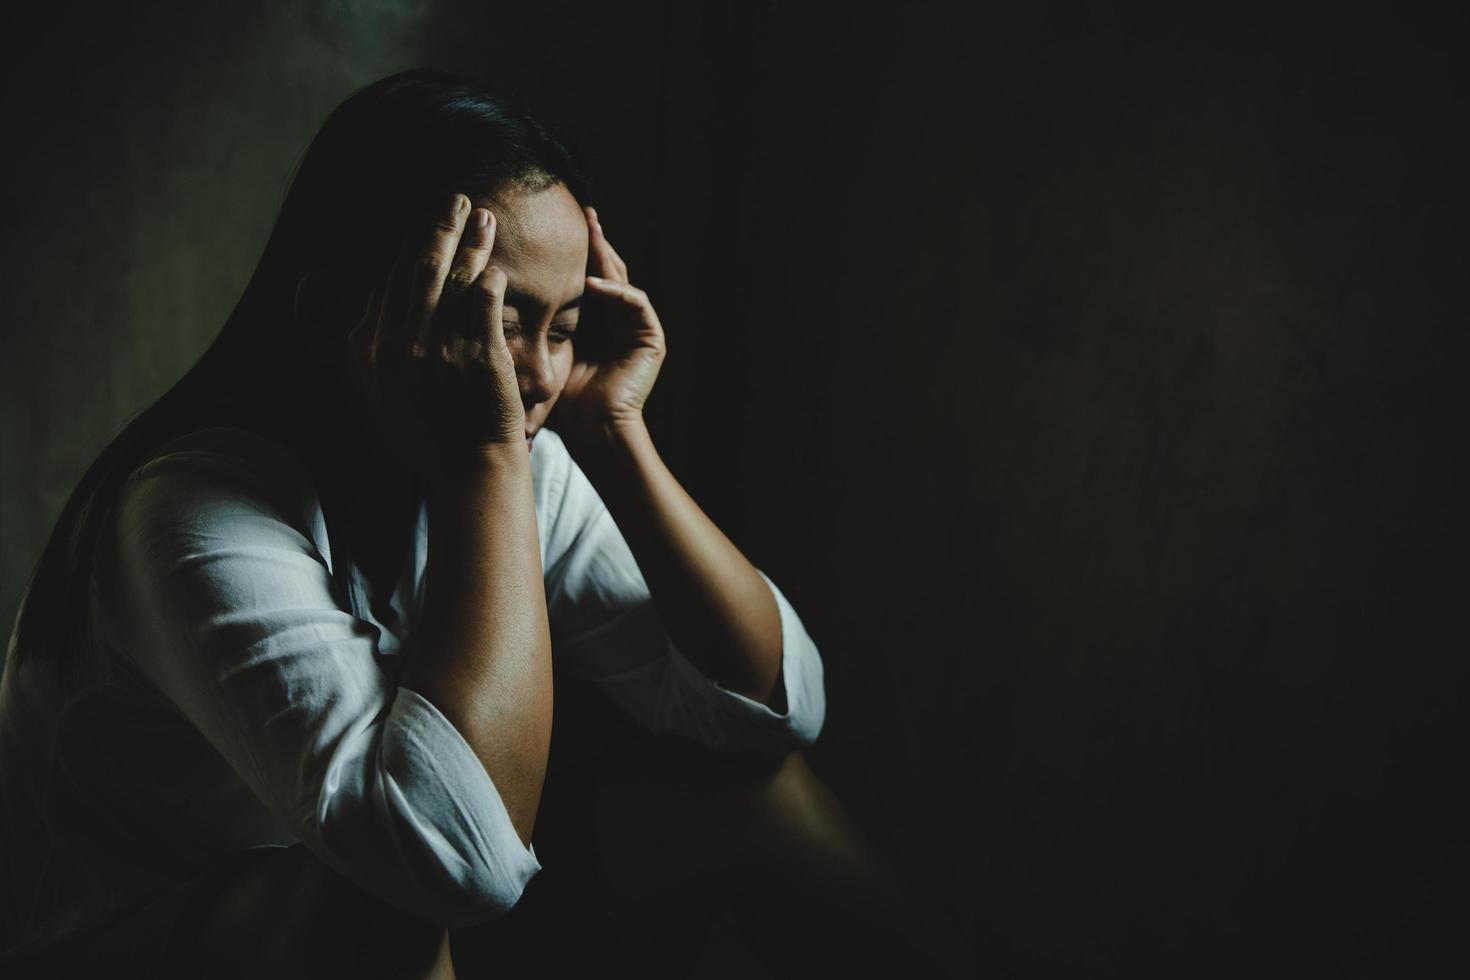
[[1084, 375]]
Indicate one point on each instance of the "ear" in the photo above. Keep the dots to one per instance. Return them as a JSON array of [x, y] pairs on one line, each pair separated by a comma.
[[326, 309]]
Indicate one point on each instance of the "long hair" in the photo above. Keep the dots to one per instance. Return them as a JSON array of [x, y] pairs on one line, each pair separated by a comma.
[[384, 158]]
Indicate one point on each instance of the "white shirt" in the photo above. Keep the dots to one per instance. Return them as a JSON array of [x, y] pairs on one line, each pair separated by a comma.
[[240, 703]]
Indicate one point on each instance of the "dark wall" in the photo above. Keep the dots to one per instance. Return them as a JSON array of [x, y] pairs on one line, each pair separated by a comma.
[[1084, 376]]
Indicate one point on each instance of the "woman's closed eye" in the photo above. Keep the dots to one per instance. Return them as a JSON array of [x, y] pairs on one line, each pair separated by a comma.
[[559, 332]]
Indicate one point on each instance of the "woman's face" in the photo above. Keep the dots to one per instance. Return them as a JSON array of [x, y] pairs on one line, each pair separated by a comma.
[[541, 244]]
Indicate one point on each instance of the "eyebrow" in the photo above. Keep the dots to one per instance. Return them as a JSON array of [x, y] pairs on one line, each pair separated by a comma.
[[523, 300]]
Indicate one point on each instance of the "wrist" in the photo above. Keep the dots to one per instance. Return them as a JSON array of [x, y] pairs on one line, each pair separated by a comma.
[[450, 475], [604, 438]]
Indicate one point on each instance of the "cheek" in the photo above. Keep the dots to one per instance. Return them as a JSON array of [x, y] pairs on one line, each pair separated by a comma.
[[563, 360]]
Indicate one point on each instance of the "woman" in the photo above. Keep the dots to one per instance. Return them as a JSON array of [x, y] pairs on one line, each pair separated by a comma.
[[279, 697]]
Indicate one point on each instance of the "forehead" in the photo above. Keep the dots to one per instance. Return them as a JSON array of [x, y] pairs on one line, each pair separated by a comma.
[[541, 240]]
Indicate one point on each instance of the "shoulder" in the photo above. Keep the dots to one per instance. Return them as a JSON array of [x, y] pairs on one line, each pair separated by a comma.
[[219, 472], [218, 514], [225, 449]]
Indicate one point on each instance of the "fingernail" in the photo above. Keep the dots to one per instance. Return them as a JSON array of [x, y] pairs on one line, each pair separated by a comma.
[[480, 218], [456, 204]]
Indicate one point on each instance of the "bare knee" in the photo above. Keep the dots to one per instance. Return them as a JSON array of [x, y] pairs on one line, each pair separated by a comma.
[[661, 816], [657, 785], [679, 826], [682, 827]]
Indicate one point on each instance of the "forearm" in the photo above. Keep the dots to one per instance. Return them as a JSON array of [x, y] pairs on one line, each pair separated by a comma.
[[482, 652], [713, 603]]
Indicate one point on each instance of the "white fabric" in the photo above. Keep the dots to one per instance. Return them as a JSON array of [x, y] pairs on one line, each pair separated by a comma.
[[242, 703]]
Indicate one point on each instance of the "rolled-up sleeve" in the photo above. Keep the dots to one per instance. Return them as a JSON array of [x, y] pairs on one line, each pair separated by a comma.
[[605, 628], [232, 614]]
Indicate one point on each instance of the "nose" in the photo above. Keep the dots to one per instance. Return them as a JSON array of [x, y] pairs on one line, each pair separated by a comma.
[[534, 370]]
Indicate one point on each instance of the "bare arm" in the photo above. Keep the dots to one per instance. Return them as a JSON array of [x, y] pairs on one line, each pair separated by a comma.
[[713, 602], [441, 385], [483, 651]]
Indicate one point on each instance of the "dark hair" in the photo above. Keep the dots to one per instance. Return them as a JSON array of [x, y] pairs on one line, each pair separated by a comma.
[[383, 159]]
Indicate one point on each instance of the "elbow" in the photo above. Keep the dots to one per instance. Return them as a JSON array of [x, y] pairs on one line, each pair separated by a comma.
[[471, 897], [430, 862], [800, 731], [459, 852], [806, 695], [806, 729], [428, 856], [408, 812], [803, 676]]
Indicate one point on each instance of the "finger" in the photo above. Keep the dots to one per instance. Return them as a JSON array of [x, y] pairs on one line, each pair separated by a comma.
[[469, 261], [474, 249], [621, 290], [608, 263], [596, 257], [400, 323], [615, 262], [603, 257], [490, 288], [431, 267]]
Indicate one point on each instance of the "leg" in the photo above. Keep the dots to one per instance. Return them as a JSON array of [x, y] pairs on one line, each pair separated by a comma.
[[559, 928], [819, 894], [282, 913], [682, 829]]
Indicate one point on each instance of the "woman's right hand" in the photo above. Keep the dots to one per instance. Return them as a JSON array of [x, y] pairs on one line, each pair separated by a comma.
[[429, 355]]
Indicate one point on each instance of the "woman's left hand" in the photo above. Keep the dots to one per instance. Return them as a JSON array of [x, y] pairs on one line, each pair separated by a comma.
[[619, 357]]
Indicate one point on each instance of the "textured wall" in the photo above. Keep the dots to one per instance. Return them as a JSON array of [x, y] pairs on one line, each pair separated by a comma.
[[1083, 375]]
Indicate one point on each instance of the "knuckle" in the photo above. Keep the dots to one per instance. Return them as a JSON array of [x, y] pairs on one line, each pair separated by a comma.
[[430, 263], [492, 282]]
